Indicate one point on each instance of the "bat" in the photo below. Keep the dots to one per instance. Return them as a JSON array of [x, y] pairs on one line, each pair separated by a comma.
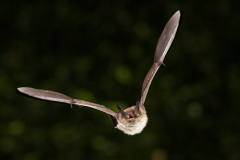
[[131, 120]]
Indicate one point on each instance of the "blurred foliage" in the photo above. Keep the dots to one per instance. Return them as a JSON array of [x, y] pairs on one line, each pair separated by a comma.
[[100, 51]]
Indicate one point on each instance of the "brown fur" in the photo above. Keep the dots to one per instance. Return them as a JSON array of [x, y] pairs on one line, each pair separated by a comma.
[[135, 126]]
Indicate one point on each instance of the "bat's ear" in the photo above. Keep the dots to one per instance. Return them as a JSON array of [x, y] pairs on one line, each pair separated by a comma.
[[114, 120], [122, 112], [137, 108]]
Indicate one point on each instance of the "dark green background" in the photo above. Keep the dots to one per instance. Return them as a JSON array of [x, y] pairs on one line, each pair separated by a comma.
[[100, 51]]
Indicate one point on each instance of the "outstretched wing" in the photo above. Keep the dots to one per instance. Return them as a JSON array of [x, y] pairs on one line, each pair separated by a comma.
[[58, 97], [163, 45]]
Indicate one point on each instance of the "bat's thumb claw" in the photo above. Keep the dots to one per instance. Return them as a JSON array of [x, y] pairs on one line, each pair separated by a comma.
[[72, 101], [161, 63]]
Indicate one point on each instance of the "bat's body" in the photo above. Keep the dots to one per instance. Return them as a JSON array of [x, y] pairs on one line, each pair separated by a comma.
[[131, 120], [135, 122]]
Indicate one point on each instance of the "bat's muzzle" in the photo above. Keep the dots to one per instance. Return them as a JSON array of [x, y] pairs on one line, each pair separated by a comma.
[[130, 117]]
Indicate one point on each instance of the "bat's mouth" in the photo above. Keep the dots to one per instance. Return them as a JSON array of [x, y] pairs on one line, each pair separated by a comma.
[[130, 117]]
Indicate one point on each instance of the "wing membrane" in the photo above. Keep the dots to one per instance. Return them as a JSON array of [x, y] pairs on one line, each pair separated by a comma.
[[58, 97], [163, 46]]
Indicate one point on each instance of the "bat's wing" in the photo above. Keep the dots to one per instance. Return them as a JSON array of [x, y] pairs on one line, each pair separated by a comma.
[[163, 45], [58, 97]]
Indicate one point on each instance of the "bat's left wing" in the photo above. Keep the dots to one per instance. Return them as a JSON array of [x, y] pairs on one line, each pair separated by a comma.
[[58, 97], [163, 46]]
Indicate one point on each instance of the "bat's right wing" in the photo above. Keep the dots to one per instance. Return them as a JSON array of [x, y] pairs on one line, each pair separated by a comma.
[[58, 97], [163, 46]]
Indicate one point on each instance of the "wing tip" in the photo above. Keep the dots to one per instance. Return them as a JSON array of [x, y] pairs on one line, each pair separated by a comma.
[[177, 14], [22, 89]]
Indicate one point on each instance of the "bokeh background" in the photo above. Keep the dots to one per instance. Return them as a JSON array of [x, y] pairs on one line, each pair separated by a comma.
[[100, 51]]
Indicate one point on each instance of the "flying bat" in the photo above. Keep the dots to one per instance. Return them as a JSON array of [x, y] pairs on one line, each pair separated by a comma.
[[131, 120]]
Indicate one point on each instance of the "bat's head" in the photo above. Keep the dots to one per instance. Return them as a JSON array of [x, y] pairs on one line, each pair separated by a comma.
[[132, 120]]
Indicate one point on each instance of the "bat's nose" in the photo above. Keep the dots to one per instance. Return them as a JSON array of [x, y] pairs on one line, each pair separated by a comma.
[[130, 117]]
